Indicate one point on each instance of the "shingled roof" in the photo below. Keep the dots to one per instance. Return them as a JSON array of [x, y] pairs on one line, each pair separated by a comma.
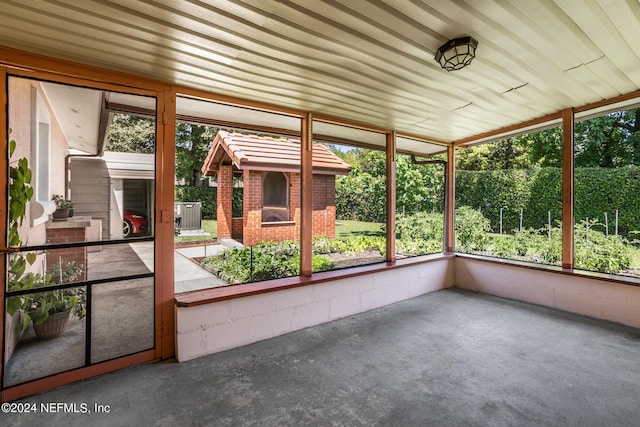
[[252, 152]]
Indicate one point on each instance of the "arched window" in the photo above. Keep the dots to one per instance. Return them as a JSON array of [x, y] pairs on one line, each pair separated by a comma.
[[275, 197]]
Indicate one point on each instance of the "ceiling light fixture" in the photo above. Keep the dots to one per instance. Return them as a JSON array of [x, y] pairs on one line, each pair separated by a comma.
[[457, 53]]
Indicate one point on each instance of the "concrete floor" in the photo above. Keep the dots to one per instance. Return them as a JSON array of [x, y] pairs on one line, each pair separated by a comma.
[[449, 358]]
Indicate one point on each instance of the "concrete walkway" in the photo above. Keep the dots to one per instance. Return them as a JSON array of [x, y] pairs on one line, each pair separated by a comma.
[[450, 358], [189, 276]]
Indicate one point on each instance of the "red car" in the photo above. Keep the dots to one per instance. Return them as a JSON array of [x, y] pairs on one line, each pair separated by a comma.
[[135, 223]]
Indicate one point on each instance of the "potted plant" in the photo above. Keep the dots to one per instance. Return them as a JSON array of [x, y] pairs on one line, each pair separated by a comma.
[[49, 311], [63, 207]]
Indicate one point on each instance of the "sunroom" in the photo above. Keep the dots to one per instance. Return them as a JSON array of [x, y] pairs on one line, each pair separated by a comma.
[[509, 170]]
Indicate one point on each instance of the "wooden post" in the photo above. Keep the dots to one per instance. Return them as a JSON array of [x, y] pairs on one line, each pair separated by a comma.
[[165, 181], [450, 200], [306, 195], [4, 205], [391, 197], [567, 188]]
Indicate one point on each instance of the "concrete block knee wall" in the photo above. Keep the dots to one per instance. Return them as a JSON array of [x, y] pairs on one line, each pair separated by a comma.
[[210, 328], [591, 297]]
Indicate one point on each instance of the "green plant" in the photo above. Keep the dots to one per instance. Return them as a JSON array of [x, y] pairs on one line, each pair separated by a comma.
[[550, 248], [362, 243], [265, 261], [61, 202], [65, 272], [350, 245], [472, 229], [35, 306], [419, 233], [420, 226], [504, 246], [418, 247], [595, 251]]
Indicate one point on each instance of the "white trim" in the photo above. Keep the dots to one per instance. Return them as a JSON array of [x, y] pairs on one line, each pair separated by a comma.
[[40, 159]]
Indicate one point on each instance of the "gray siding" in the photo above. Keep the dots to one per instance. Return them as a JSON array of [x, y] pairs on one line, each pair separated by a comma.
[[90, 190]]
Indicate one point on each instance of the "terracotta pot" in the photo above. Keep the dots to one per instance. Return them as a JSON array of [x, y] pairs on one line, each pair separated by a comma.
[[53, 327]]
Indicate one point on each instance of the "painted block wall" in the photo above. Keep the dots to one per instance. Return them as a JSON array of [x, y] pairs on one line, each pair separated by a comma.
[[587, 296], [210, 328]]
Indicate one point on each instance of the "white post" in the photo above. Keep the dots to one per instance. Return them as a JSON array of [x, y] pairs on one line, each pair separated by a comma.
[[501, 221], [606, 224], [587, 232], [549, 215], [521, 220]]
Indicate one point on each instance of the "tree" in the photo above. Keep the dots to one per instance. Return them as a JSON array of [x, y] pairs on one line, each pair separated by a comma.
[[351, 155], [419, 188], [192, 145], [510, 153], [544, 147], [608, 141], [132, 134]]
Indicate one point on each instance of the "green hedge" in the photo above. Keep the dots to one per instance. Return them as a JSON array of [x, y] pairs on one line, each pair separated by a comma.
[[361, 198], [208, 197], [538, 191]]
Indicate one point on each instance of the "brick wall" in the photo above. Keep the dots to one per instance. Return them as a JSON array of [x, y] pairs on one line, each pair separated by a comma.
[[324, 205], [223, 213], [252, 207], [237, 229], [253, 230], [67, 235]]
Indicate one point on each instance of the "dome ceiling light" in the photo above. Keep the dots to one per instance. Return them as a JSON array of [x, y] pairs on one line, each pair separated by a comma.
[[457, 53]]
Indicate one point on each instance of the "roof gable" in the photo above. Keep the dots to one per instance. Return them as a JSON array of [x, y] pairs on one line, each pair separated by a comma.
[[252, 152]]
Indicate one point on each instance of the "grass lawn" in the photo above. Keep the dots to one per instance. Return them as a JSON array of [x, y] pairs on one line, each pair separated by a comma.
[[346, 229], [208, 225]]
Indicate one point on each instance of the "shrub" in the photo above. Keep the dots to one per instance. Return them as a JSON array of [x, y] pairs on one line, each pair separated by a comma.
[[421, 226], [538, 191], [208, 196], [528, 241], [505, 246], [418, 247], [594, 251], [471, 230], [420, 233], [361, 197], [353, 244], [550, 249]]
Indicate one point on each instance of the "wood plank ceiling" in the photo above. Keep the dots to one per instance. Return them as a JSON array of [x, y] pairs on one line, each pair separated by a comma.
[[368, 61]]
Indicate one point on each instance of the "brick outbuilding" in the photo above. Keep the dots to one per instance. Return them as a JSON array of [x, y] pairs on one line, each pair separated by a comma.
[[270, 170]]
